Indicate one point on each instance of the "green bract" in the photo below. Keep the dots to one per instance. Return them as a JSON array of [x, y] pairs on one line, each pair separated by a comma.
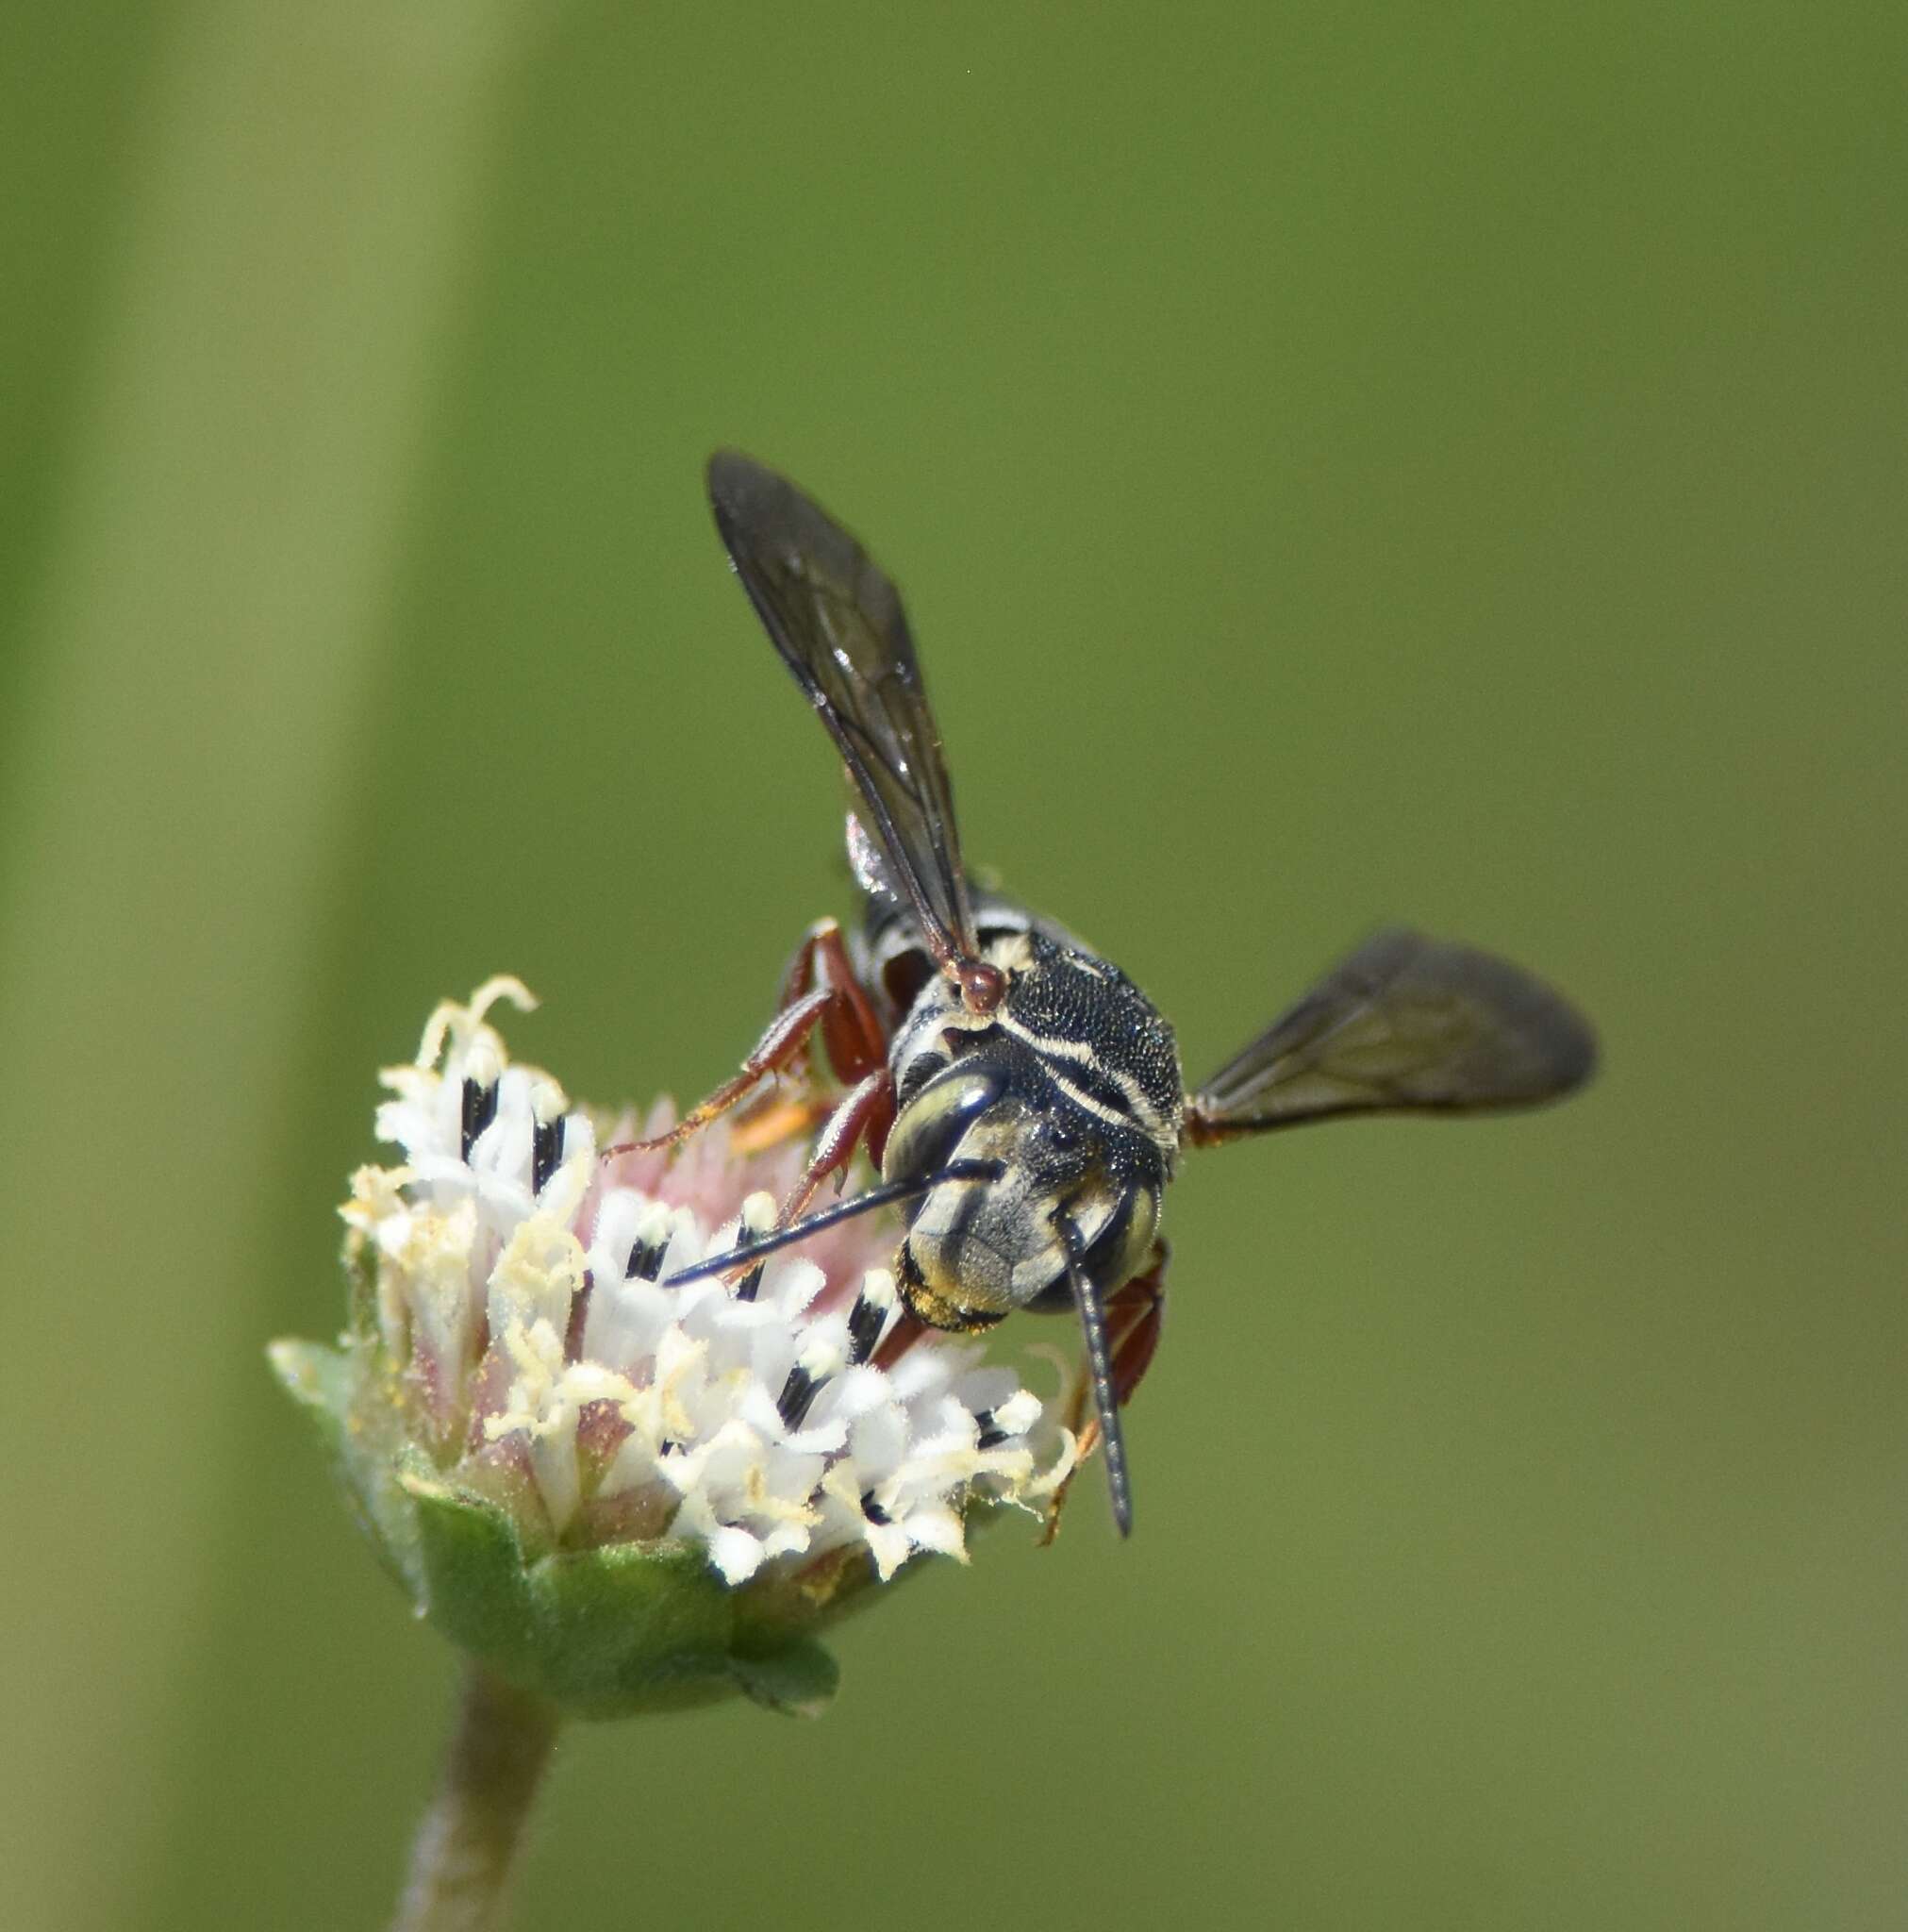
[[602, 1633]]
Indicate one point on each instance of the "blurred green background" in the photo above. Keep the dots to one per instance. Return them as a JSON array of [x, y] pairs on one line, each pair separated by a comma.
[[1346, 462]]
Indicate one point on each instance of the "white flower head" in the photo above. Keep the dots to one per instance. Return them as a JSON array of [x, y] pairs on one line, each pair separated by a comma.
[[776, 1417]]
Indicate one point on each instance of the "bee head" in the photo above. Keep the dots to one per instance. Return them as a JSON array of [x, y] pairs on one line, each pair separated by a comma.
[[977, 1250]]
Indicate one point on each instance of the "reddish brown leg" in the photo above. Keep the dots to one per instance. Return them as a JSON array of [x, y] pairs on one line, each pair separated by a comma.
[[819, 992], [850, 1030], [1134, 1316], [856, 1047], [907, 1331], [865, 1114], [778, 1049]]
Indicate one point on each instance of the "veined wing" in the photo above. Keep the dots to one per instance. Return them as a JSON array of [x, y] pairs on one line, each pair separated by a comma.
[[839, 626], [1404, 1025]]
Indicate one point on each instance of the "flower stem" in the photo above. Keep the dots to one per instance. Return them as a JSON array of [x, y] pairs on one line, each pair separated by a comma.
[[460, 1861]]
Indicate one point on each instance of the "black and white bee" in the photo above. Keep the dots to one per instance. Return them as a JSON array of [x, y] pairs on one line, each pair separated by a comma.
[[1020, 1096]]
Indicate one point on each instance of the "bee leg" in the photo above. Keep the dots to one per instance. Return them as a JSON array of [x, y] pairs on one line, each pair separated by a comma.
[[905, 1332], [818, 994], [865, 1114], [852, 1032], [870, 1104], [1134, 1315], [779, 1048]]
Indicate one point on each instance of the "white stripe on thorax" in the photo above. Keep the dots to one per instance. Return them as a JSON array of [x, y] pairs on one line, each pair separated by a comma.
[[1144, 1116]]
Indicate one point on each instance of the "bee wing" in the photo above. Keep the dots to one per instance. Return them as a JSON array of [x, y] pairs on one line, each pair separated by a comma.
[[1404, 1025], [839, 626]]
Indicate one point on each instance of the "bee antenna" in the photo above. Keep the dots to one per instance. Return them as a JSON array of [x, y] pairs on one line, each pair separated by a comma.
[[865, 1203], [1100, 1364]]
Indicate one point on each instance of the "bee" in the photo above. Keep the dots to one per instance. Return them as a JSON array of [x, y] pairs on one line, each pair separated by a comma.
[[1020, 1097]]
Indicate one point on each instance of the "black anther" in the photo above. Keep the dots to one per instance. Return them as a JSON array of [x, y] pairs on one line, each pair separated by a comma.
[[546, 1152], [798, 1394], [646, 1260], [864, 1328], [479, 1110]]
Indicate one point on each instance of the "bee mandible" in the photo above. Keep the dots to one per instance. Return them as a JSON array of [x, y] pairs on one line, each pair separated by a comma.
[[1020, 1095]]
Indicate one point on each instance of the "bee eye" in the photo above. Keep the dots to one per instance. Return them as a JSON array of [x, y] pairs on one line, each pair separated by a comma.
[[930, 1127]]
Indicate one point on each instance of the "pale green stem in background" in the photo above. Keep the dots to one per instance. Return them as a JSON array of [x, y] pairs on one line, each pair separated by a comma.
[[467, 1840], [300, 201]]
